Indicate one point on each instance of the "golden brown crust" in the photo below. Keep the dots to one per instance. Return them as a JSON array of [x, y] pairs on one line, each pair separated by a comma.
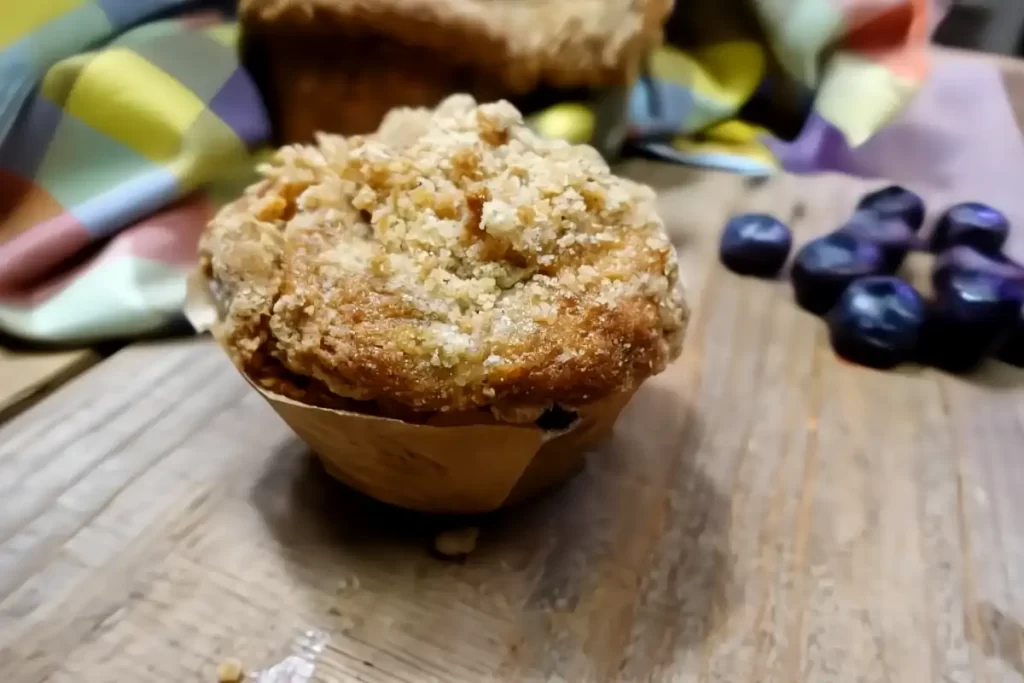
[[564, 43], [453, 261]]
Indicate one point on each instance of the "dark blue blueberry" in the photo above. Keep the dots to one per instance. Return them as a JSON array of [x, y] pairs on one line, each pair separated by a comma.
[[1011, 350], [877, 322], [972, 314], [964, 259], [824, 267], [755, 244], [967, 260], [892, 235], [895, 202], [971, 224]]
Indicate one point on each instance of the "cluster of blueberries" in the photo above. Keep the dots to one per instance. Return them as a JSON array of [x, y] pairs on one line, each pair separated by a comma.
[[878, 319]]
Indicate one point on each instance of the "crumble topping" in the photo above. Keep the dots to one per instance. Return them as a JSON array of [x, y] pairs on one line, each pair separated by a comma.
[[452, 261]]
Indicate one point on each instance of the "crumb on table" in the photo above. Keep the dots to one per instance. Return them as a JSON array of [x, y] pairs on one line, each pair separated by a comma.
[[230, 671], [457, 542]]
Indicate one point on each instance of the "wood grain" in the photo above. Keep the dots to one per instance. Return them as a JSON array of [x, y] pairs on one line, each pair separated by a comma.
[[763, 513], [28, 375]]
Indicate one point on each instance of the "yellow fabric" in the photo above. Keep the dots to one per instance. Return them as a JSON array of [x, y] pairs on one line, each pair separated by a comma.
[[134, 102], [729, 138], [726, 73], [571, 122], [21, 17], [225, 34], [209, 152], [841, 96]]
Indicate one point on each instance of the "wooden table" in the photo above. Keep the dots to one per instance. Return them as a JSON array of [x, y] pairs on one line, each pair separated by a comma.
[[764, 512]]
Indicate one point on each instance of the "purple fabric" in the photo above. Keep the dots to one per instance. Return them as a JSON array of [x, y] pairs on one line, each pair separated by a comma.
[[235, 103], [957, 141], [23, 150]]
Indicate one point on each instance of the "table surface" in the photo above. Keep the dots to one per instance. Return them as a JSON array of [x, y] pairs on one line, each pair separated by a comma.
[[763, 512]]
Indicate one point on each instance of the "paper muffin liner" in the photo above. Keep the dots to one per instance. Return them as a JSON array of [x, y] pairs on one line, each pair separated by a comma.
[[461, 469]]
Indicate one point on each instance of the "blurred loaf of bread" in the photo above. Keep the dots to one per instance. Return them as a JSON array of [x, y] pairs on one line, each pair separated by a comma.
[[340, 65]]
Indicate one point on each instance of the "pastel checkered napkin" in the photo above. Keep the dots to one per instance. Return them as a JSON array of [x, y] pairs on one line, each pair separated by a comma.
[[111, 159], [122, 123], [737, 74]]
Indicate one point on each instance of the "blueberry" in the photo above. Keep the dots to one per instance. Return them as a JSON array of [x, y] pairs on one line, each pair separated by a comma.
[[892, 235], [971, 315], [964, 259], [972, 224], [895, 202], [967, 260], [877, 322], [755, 244], [824, 267], [1011, 350]]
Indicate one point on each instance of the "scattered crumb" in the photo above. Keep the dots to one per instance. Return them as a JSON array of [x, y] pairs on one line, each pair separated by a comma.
[[230, 671], [457, 542], [799, 211], [334, 611], [347, 584]]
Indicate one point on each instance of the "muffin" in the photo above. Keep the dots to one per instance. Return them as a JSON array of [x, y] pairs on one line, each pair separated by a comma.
[[452, 271], [340, 65]]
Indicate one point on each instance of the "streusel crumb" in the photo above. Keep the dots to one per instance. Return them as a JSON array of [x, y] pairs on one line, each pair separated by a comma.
[[230, 671], [455, 543], [453, 261]]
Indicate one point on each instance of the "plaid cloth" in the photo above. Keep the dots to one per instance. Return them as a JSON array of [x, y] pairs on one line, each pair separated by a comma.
[[736, 74], [111, 160], [123, 123]]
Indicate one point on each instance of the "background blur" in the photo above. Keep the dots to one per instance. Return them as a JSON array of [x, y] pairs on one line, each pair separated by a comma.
[[990, 25]]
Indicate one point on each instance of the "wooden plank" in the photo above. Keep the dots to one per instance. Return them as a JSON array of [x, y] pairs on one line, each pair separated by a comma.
[[764, 512], [28, 375]]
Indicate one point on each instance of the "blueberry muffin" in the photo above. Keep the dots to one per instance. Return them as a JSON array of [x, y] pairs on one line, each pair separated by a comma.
[[451, 264], [340, 65]]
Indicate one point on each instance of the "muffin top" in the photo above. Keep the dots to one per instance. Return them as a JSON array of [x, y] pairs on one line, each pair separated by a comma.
[[453, 261]]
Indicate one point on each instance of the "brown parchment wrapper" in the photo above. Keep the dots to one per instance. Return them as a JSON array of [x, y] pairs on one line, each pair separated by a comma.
[[460, 469]]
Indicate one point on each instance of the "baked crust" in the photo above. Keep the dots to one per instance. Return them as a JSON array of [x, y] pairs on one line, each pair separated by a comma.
[[522, 43], [454, 261]]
